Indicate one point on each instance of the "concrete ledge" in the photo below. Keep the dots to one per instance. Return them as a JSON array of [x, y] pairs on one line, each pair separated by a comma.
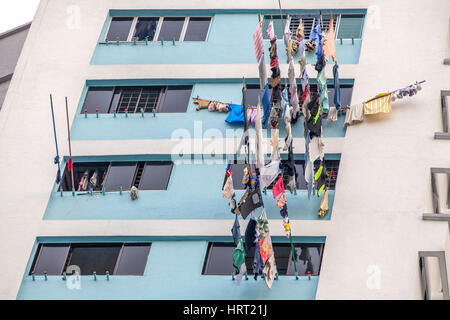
[[436, 216], [442, 135]]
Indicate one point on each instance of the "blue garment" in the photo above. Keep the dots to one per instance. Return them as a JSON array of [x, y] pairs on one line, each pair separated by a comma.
[[285, 101], [265, 101], [258, 265], [337, 88], [250, 236], [236, 231], [236, 114], [316, 36]]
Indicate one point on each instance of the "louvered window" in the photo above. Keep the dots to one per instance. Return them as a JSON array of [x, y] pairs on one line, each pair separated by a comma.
[[309, 21]]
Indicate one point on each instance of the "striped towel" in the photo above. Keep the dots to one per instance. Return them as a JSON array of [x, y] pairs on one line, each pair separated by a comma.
[[258, 42], [381, 103], [271, 31]]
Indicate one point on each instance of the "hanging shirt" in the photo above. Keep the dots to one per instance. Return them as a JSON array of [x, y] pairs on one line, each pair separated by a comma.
[[329, 46], [236, 231], [337, 88], [265, 101], [314, 123], [236, 114]]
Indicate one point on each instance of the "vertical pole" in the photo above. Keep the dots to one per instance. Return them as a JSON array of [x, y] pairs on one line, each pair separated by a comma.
[[70, 149], [56, 143]]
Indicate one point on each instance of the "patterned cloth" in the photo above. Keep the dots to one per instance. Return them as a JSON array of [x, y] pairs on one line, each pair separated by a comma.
[[258, 42]]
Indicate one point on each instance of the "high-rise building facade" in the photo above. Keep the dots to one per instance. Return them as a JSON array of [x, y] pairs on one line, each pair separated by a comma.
[[132, 71]]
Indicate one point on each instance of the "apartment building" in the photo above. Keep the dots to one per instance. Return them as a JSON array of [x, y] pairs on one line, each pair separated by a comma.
[[130, 71]]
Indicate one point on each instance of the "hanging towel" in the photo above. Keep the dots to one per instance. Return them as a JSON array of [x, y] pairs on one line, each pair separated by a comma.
[[315, 149], [354, 114], [381, 103], [236, 114]]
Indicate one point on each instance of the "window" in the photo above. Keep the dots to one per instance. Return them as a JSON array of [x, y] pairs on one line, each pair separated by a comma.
[[98, 99], [166, 99], [351, 26], [197, 29], [156, 176], [219, 261], [152, 175], [159, 28], [445, 98], [440, 187], [146, 28], [237, 173], [50, 259], [119, 29], [116, 258], [120, 175], [171, 28], [433, 275]]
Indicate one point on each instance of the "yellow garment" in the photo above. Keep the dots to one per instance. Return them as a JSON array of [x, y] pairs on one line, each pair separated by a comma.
[[329, 46], [323, 209], [381, 103]]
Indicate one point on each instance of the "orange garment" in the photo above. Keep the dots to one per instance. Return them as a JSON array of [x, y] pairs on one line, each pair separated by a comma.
[[329, 46]]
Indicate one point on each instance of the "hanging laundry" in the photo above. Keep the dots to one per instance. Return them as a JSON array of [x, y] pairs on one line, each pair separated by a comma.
[[381, 103], [323, 209], [259, 138], [293, 90], [250, 236], [211, 105], [284, 211], [320, 64], [262, 225], [329, 46], [246, 176], [228, 189], [275, 116], [269, 173], [266, 104], [309, 170], [265, 245], [236, 231], [258, 265], [287, 126], [236, 115], [332, 114], [354, 114], [258, 43], [286, 226], [316, 36], [315, 148], [94, 180], [82, 186], [271, 31], [306, 98], [238, 256], [242, 272], [269, 271], [320, 178], [337, 88], [250, 201], [281, 202], [314, 123], [322, 88], [301, 46], [304, 80], [274, 143], [278, 187]]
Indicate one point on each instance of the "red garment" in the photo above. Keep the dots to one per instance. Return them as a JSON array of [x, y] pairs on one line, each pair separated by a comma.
[[274, 62], [265, 248], [305, 93], [278, 187], [70, 164]]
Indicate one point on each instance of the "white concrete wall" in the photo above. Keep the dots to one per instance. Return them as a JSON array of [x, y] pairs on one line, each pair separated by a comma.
[[384, 182]]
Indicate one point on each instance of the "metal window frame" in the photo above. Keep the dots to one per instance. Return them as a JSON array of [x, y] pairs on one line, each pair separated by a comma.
[[130, 31], [183, 28], [188, 18], [351, 14], [434, 191], [143, 172], [445, 134], [38, 256], [423, 273]]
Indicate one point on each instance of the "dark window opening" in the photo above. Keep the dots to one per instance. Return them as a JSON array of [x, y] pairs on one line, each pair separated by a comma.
[[116, 258], [219, 259], [119, 29], [146, 28], [197, 29], [137, 99], [237, 174], [151, 175], [171, 28]]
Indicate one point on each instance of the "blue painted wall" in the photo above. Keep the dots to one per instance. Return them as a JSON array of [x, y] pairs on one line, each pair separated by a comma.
[[134, 127], [230, 41], [187, 197], [173, 271]]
